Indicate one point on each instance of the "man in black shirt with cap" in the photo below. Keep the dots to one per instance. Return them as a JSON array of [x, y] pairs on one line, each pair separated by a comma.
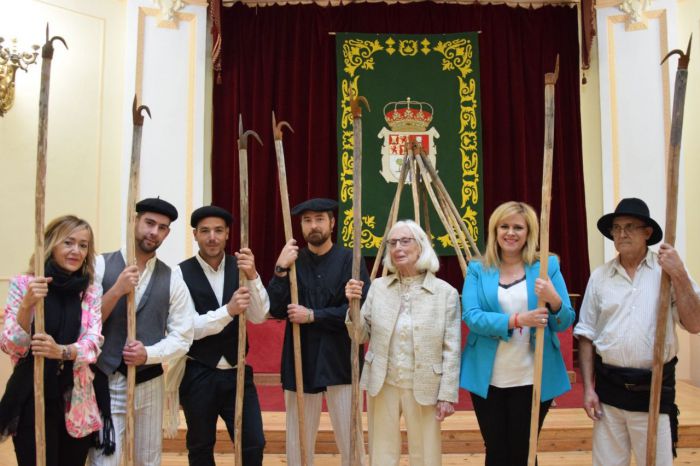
[[323, 269], [208, 388]]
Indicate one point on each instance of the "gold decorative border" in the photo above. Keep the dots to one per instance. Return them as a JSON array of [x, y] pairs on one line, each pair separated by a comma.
[[457, 56]]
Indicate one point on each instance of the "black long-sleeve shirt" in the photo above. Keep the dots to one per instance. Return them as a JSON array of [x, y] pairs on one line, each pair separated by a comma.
[[325, 343]]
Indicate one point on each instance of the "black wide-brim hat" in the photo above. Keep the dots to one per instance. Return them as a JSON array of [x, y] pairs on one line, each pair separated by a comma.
[[631, 207]]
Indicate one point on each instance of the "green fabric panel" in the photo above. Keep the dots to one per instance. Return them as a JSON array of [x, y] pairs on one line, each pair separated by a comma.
[[438, 74]]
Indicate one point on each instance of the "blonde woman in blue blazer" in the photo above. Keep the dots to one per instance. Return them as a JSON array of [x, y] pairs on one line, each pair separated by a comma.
[[499, 305]]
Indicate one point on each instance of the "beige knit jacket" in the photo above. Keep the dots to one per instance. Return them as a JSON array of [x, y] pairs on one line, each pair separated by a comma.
[[436, 337]]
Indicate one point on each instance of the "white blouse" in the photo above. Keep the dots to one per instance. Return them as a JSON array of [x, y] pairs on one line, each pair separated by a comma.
[[401, 359], [514, 361]]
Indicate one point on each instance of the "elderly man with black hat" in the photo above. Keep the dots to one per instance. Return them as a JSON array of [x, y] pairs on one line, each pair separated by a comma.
[[164, 331], [208, 388], [616, 337], [323, 268]]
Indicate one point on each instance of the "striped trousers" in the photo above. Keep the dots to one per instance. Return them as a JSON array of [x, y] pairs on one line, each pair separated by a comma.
[[148, 422], [339, 402]]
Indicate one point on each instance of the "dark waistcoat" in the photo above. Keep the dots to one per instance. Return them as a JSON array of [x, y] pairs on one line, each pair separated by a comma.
[[151, 313], [210, 349]]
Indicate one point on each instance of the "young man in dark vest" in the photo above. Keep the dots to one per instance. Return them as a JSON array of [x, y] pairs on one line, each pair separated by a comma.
[[323, 269], [208, 387], [164, 331]]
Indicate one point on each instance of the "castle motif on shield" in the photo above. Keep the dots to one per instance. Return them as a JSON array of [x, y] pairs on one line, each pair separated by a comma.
[[408, 121]]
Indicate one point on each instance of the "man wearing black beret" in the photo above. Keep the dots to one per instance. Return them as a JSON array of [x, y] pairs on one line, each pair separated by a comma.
[[323, 269], [208, 388], [164, 331], [616, 330]]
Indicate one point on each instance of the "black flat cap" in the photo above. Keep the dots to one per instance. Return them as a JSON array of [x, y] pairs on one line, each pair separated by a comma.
[[210, 211], [631, 207], [158, 206], [317, 204]]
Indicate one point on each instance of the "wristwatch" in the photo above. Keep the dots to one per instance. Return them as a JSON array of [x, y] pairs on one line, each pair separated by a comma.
[[280, 269]]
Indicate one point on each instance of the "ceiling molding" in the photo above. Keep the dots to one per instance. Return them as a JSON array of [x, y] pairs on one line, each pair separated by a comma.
[[513, 3]]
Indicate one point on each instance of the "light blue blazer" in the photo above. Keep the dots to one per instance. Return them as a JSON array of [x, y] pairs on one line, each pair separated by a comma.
[[488, 325]]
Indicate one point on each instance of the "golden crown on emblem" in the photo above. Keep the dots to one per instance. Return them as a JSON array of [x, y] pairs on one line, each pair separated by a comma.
[[408, 115]]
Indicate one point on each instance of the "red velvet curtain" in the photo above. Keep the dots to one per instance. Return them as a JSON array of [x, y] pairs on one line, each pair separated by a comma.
[[282, 58]]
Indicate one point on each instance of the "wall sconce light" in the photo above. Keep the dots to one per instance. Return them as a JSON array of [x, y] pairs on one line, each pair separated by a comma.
[[10, 60]]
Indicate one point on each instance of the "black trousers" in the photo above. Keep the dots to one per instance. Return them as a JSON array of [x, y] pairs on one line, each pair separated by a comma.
[[205, 395], [61, 448], [504, 420]]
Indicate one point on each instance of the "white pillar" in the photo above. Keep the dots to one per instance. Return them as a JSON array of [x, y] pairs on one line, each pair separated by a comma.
[[636, 96], [165, 66]]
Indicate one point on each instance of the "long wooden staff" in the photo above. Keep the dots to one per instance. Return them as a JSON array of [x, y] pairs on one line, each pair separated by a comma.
[[244, 210], [356, 438], [670, 238], [294, 292], [393, 215], [442, 191], [441, 213], [39, 206], [134, 183], [414, 182], [550, 80], [444, 207]]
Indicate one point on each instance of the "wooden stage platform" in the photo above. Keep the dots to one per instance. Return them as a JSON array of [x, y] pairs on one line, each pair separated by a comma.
[[564, 430], [565, 438]]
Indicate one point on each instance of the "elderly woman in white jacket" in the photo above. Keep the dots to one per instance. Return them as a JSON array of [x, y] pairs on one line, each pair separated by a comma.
[[411, 320]]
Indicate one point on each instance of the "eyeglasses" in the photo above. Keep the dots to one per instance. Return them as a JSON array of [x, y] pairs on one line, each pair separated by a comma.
[[403, 241], [629, 229]]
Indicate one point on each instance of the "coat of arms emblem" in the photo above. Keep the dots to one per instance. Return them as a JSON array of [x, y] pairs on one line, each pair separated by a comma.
[[408, 121]]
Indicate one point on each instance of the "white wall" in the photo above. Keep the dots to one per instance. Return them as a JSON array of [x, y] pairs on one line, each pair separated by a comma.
[[635, 99], [116, 48]]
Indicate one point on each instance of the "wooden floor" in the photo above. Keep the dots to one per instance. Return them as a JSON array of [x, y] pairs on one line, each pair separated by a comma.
[[563, 430], [686, 456], [565, 439]]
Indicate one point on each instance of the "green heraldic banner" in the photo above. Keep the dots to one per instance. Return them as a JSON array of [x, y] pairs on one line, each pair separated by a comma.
[[421, 88]]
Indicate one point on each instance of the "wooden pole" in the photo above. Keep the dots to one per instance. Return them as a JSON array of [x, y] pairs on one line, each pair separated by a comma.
[[550, 80], [393, 214], [356, 437], [296, 335], [441, 214], [448, 207], [670, 238], [39, 259], [424, 206], [455, 213], [414, 184], [132, 197], [242, 319], [454, 224]]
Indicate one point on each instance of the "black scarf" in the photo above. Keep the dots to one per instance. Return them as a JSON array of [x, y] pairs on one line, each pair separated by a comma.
[[62, 317]]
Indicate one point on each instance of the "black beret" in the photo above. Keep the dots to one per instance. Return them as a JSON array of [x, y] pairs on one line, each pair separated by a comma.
[[158, 206], [210, 211], [317, 204]]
